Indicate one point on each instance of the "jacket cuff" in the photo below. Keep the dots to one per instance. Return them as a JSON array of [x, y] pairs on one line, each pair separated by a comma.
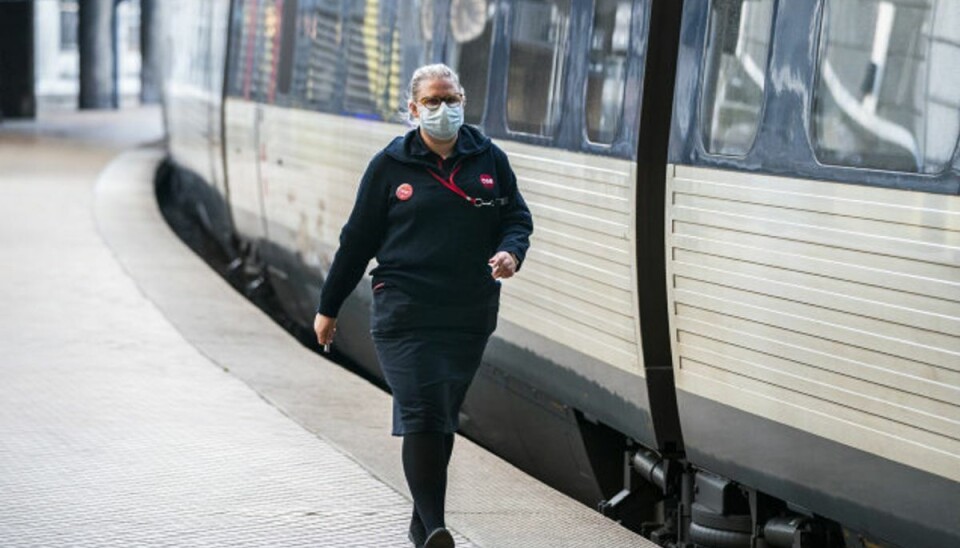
[[327, 310]]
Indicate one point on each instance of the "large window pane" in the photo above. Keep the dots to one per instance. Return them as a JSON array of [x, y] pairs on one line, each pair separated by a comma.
[[414, 21], [242, 51], [287, 47], [262, 84], [317, 54], [734, 73], [375, 49], [538, 45], [375, 58], [471, 28], [607, 71], [362, 58], [889, 89], [255, 49]]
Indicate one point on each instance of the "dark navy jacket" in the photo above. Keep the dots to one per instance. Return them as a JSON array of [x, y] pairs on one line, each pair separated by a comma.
[[430, 243]]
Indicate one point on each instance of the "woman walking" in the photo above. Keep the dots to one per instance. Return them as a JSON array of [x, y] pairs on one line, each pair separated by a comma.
[[440, 210]]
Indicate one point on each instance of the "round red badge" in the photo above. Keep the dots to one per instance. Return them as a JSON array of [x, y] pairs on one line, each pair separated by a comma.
[[486, 180], [404, 192]]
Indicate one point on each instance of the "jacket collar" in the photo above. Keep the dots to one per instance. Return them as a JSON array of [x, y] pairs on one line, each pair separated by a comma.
[[411, 149]]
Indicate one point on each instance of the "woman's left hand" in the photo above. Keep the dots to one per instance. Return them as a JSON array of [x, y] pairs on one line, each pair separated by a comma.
[[502, 265]]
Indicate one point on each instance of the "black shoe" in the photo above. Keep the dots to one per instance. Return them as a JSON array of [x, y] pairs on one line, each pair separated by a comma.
[[439, 538], [417, 532]]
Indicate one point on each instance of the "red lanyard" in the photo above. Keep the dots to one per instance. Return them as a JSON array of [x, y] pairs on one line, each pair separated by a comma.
[[449, 183]]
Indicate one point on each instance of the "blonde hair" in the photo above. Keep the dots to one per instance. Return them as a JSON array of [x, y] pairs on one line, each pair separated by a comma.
[[421, 75], [431, 72]]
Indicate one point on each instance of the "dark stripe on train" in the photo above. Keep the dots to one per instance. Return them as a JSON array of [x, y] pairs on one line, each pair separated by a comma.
[[652, 147]]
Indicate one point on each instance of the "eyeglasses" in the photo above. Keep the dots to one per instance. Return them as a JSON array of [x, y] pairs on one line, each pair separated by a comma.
[[433, 103]]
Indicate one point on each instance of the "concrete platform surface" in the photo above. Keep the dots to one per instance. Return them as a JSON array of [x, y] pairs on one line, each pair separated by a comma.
[[145, 403]]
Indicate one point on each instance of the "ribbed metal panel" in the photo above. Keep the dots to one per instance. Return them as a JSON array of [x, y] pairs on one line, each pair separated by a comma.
[[312, 165], [578, 284], [830, 308]]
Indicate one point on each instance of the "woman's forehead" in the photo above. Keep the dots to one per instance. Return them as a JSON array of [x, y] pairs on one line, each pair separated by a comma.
[[442, 84]]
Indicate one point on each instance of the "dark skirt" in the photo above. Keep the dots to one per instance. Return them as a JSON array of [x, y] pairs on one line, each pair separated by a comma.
[[429, 355]]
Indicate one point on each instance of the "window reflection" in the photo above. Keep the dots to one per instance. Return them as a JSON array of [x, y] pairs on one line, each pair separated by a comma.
[[363, 59], [734, 74], [471, 30], [538, 46], [879, 102], [318, 44], [607, 69]]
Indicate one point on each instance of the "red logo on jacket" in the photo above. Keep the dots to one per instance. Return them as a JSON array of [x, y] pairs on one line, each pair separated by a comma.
[[486, 180], [404, 192]]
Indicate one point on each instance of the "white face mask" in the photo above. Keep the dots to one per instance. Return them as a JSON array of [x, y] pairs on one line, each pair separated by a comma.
[[441, 124]]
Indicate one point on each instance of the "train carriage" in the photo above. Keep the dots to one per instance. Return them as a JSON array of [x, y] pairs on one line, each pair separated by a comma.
[[739, 321], [813, 242]]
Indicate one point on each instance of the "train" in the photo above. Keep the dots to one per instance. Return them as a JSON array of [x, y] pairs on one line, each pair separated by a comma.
[[738, 324]]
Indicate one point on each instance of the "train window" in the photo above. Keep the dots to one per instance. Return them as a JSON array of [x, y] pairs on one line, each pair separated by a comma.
[[317, 54], [374, 55], [255, 45], [261, 84], [190, 68], [607, 68], [414, 27], [738, 40], [888, 95], [362, 60], [426, 25], [538, 47], [471, 31], [241, 54], [288, 37]]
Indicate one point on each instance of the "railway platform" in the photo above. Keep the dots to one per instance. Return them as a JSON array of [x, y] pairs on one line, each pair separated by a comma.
[[143, 402]]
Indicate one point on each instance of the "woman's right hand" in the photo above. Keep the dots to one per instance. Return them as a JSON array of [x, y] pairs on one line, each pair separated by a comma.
[[325, 327]]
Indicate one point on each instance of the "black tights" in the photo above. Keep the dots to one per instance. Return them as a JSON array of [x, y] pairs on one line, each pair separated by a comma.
[[425, 459]]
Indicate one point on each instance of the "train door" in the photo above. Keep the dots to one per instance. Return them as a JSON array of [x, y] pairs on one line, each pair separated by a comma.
[[271, 24], [249, 73], [219, 20], [280, 138], [813, 260]]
